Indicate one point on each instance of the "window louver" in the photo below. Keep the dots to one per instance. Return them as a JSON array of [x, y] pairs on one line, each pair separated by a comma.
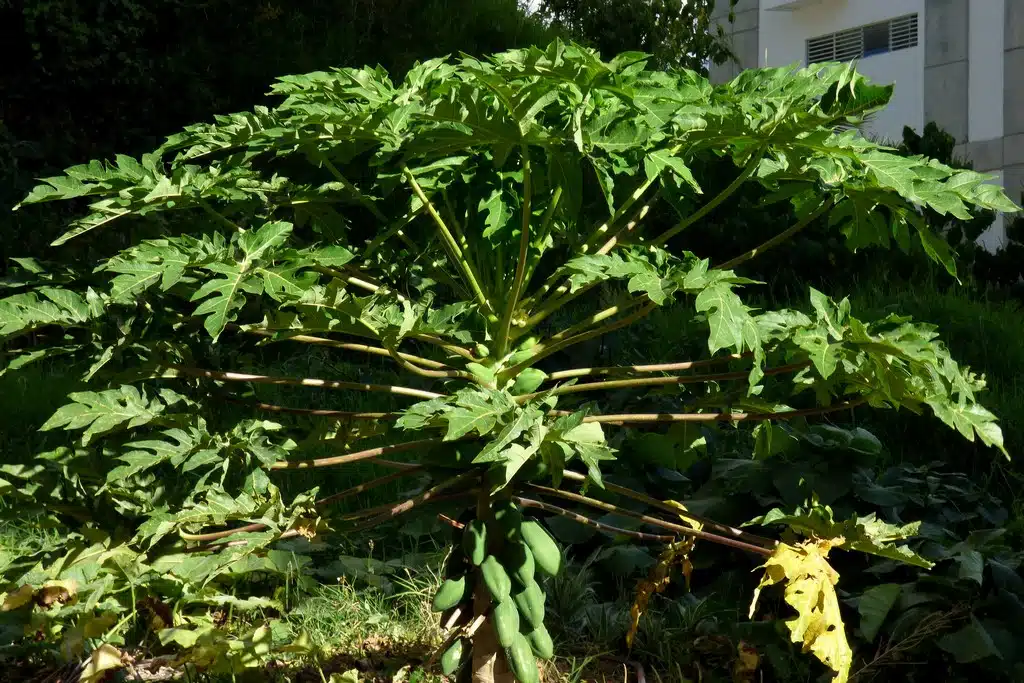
[[903, 32], [849, 44]]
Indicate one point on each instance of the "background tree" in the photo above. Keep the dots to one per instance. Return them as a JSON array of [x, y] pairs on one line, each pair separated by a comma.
[[94, 79], [677, 33]]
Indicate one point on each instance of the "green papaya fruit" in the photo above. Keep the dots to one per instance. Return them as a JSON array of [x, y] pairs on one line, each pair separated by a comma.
[[482, 351], [496, 579], [451, 593], [518, 560], [451, 658], [545, 551], [530, 601], [541, 642], [506, 622], [474, 541], [521, 660], [508, 518], [528, 381]]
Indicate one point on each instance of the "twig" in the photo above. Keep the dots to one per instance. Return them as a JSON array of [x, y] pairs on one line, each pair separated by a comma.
[[561, 296], [316, 412], [329, 500], [453, 523], [640, 214], [355, 281], [778, 239], [291, 533], [453, 349], [303, 382], [580, 338], [586, 521], [466, 631], [394, 464], [524, 252], [449, 239], [424, 372], [630, 418], [347, 346], [748, 170], [658, 367], [654, 521], [597, 234], [928, 628], [659, 381], [424, 497], [354, 457], [672, 510]]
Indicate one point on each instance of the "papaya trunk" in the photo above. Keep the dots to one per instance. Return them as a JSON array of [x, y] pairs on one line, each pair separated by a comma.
[[489, 665]]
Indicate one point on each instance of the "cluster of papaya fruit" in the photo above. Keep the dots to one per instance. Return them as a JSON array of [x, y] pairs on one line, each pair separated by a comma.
[[502, 554]]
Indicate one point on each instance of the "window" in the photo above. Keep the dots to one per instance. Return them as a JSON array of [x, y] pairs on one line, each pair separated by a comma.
[[874, 39]]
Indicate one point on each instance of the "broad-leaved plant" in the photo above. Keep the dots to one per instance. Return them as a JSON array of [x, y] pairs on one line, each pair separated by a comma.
[[443, 223]]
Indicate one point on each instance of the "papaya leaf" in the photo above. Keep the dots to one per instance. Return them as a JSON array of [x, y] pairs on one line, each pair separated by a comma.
[[810, 589]]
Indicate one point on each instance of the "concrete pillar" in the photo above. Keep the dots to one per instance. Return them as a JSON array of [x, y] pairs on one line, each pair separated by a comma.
[[1013, 99], [946, 35], [742, 34]]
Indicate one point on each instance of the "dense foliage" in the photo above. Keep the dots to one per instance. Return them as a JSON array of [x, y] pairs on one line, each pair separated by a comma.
[[676, 33], [447, 223], [88, 80]]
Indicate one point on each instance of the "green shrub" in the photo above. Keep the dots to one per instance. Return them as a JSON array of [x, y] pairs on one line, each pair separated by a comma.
[[445, 223]]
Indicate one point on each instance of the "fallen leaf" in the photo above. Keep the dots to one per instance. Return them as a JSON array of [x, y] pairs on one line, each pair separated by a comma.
[[104, 658]]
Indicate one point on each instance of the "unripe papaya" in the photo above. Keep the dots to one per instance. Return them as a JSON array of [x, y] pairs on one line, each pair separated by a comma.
[[518, 560], [451, 593], [451, 658], [528, 381], [496, 579], [474, 541], [540, 640], [530, 601], [482, 351], [521, 660], [508, 518], [506, 622], [545, 551]]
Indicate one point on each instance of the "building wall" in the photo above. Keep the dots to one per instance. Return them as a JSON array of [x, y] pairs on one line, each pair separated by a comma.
[[966, 73], [784, 35]]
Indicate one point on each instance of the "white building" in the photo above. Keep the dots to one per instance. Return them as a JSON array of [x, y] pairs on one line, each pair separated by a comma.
[[959, 63]]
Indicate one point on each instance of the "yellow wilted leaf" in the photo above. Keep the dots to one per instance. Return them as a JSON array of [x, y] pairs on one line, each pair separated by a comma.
[[18, 598], [660, 574], [810, 590], [104, 658]]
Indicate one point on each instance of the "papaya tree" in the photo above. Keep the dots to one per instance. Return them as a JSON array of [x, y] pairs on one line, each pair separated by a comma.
[[474, 225]]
